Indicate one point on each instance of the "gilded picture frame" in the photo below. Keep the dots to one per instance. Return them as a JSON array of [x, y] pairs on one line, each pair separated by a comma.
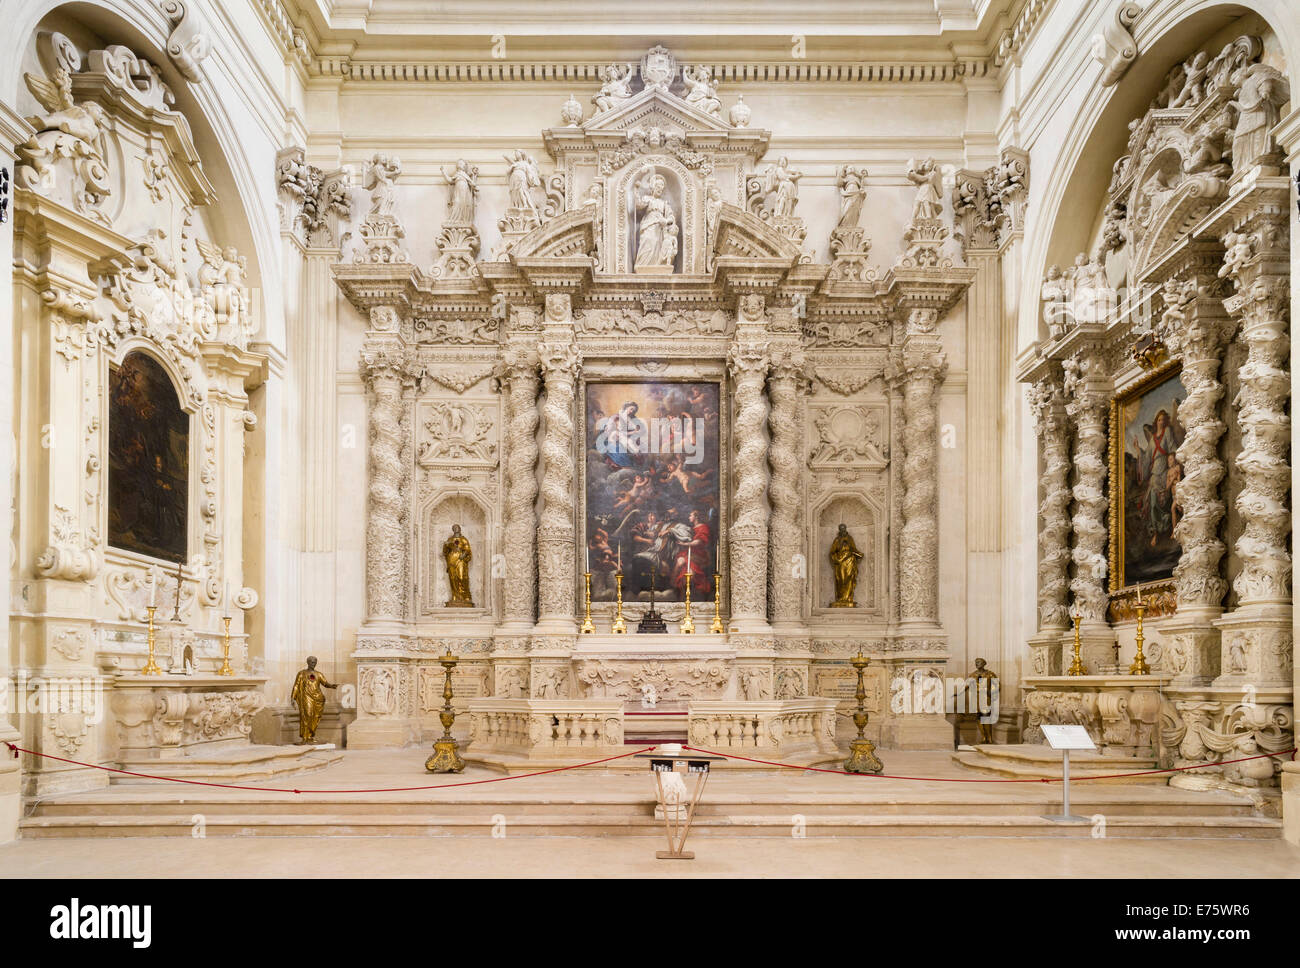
[[1144, 469]]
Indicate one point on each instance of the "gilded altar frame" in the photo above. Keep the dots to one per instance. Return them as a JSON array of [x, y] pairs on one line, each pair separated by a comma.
[[1159, 595]]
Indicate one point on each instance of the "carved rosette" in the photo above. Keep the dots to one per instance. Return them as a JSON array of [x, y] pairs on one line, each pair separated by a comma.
[[519, 372], [1202, 336], [1087, 404], [1261, 304], [384, 369], [786, 388], [747, 363], [561, 364], [1047, 401], [919, 368]]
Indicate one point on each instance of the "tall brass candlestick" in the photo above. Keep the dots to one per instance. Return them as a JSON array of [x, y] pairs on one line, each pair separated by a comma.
[[687, 627], [446, 757], [587, 625], [715, 627], [1139, 666], [151, 668], [225, 669], [862, 754], [1077, 668], [620, 625]]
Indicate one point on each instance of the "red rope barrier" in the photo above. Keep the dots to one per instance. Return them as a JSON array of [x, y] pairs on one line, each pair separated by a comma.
[[263, 789], [953, 779], [649, 749]]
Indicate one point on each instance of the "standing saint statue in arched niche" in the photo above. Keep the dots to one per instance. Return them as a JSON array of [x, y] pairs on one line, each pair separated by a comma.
[[657, 230]]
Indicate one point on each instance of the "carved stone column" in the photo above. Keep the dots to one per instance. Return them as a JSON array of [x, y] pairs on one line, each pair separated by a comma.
[[1047, 400], [1198, 330], [748, 362], [384, 369], [1087, 391], [561, 363], [519, 375], [786, 387], [1257, 637], [919, 369]]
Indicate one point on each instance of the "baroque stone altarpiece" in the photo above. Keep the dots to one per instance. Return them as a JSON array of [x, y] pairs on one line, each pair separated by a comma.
[[1192, 273], [475, 371]]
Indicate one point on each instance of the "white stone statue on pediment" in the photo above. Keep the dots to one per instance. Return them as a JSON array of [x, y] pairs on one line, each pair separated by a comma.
[[657, 231], [703, 91], [522, 176], [381, 181], [615, 88], [461, 201], [928, 179]]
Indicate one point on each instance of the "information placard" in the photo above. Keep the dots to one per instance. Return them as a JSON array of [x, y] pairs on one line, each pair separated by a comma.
[[1068, 738]]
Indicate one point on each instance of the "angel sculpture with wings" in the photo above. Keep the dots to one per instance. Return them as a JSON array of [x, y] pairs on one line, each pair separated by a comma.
[[222, 283], [522, 177], [464, 193], [68, 130], [703, 92]]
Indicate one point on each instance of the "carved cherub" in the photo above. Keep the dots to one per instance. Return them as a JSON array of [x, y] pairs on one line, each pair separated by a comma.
[[1193, 91], [222, 283], [1239, 252]]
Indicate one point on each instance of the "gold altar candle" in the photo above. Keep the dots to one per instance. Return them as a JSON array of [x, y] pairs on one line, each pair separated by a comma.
[[225, 669], [620, 625], [715, 627], [151, 667], [687, 627], [1139, 666], [1077, 668], [587, 625], [446, 756]]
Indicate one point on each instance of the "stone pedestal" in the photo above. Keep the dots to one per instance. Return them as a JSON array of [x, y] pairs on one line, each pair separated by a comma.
[[1122, 714], [167, 717]]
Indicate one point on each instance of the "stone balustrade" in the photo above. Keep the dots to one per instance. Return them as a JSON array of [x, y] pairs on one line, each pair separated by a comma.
[[546, 728], [773, 727]]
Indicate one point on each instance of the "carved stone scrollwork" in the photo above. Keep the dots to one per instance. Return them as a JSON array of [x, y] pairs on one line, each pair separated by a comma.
[[917, 368], [385, 370], [747, 362], [1047, 401], [786, 386], [1086, 391], [187, 45], [1114, 48], [560, 363], [520, 375]]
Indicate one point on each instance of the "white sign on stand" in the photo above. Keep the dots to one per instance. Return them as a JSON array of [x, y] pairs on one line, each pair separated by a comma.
[[1066, 738]]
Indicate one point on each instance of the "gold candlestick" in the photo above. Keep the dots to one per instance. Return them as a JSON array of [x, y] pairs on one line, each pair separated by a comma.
[[862, 754], [715, 627], [687, 627], [1077, 668], [587, 625], [619, 626], [151, 667], [1139, 666], [446, 757], [225, 669]]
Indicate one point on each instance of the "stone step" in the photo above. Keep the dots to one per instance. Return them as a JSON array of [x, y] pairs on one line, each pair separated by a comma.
[[241, 765], [583, 825], [1030, 761], [170, 803]]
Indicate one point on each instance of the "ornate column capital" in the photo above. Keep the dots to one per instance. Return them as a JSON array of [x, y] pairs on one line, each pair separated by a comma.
[[559, 361], [747, 359]]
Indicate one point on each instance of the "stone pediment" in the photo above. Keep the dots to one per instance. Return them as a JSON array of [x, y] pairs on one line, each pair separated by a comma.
[[656, 109]]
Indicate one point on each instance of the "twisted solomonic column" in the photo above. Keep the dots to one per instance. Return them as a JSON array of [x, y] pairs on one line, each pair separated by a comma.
[[519, 373], [384, 370], [1047, 401], [919, 368], [561, 364], [786, 386], [1087, 395], [747, 362]]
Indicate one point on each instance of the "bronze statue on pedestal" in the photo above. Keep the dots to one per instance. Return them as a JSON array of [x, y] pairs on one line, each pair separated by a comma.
[[844, 564], [457, 554], [308, 693]]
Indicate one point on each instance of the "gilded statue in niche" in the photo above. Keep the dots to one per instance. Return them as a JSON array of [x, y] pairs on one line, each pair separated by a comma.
[[148, 461], [844, 564], [457, 554]]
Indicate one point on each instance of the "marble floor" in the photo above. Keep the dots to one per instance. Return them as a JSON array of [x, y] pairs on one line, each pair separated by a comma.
[[478, 848], [967, 857]]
